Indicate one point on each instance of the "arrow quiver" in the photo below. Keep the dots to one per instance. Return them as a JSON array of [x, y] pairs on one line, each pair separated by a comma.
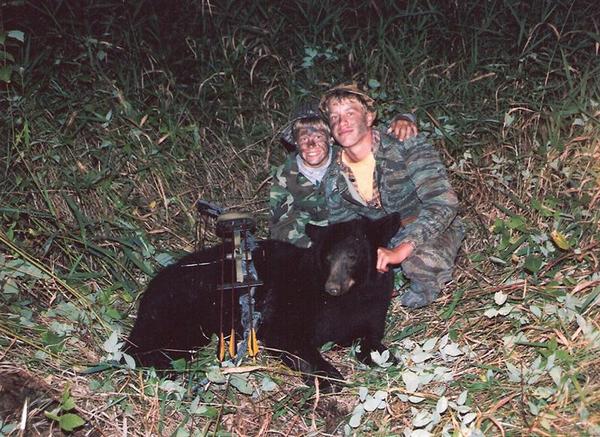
[[235, 229]]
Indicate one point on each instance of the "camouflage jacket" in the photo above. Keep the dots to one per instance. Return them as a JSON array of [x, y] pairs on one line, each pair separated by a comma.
[[411, 179], [294, 201]]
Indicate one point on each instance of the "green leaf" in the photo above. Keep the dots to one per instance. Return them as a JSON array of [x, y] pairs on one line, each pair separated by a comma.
[[268, 384], [357, 414], [5, 73], [452, 349], [129, 361], [371, 403], [327, 346], [215, 375], [52, 415], [516, 222], [468, 418], [477, 257], [68, 310], [203, 410], [536, 311], [6, 56], [68, 403], [40, 355], [240, 382], [362, 393], [16, 34], [310, 51], [412, 400], [174, 388], [490, 313], [499, 226], [442, 405], [140, 263], [410, 331], [462, 398], [497, 260], [420, 356], [112, 344], [411, 381], [181, 433], [179, 364], [62, 329], [556, 374], [164, 259], [422, 418], [53, 341], [374, 83], [430, 344], [10, 286], [33, 271], [500, 298], [113, 313], [68, 422], [381, 359], [533, 263]]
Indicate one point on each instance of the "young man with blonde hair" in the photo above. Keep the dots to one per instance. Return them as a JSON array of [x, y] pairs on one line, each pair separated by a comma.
[[374, 174]]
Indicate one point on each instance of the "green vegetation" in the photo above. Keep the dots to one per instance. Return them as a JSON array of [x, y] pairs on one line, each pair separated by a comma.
[[116, 116]]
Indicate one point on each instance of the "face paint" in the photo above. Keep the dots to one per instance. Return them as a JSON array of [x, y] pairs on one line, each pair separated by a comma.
[[313, 145]]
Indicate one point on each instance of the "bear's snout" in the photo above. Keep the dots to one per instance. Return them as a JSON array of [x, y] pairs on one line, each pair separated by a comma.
[[337, 288]]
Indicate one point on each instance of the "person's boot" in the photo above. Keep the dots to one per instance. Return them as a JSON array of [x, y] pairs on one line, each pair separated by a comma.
[[420, 294]]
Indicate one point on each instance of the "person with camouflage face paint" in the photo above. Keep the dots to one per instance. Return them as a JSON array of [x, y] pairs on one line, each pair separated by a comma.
[[297, 197], [373, 174]]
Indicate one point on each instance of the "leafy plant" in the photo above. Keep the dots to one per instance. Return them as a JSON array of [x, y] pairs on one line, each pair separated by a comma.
[[7, 60], [67, 420], [131, 111], [113, 347]]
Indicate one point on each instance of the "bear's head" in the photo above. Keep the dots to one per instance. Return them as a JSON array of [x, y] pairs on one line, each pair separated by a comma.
[[347, 251]]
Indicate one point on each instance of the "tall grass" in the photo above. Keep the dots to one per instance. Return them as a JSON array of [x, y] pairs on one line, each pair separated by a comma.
[[119, 115]]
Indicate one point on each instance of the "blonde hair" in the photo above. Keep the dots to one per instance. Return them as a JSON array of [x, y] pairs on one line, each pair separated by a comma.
[[346, 91]]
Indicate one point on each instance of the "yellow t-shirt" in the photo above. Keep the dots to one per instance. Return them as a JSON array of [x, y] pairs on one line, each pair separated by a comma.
[[363, 171]]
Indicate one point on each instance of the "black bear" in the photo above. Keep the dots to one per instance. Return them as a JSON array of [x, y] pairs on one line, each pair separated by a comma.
[[329, 292]]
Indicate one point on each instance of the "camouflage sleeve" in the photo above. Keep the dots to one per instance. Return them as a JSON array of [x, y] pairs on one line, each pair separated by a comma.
[[286, 223], [279, 198], [439, 201], [337, 209]]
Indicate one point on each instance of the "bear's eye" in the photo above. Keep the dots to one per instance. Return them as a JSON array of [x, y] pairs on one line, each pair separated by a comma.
[[352, 257]]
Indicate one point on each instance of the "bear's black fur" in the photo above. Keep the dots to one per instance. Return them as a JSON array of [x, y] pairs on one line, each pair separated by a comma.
[[329, 292]]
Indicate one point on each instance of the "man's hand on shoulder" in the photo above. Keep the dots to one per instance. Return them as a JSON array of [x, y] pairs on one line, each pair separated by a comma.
[[390, 257], [403, 128]]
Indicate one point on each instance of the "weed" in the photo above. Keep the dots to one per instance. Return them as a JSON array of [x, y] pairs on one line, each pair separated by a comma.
[[117, 116]]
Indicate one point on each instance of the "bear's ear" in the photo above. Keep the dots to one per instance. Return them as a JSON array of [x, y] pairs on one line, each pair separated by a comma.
[[382, 230], [314, 232]]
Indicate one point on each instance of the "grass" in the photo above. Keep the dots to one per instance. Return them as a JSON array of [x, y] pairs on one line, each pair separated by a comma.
[[118, 116]]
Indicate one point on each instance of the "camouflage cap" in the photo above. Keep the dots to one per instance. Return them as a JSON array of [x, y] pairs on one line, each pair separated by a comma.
[[342, 90], [305, 110]]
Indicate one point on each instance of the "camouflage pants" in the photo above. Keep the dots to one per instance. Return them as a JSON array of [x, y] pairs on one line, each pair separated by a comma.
[[431, 265]]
